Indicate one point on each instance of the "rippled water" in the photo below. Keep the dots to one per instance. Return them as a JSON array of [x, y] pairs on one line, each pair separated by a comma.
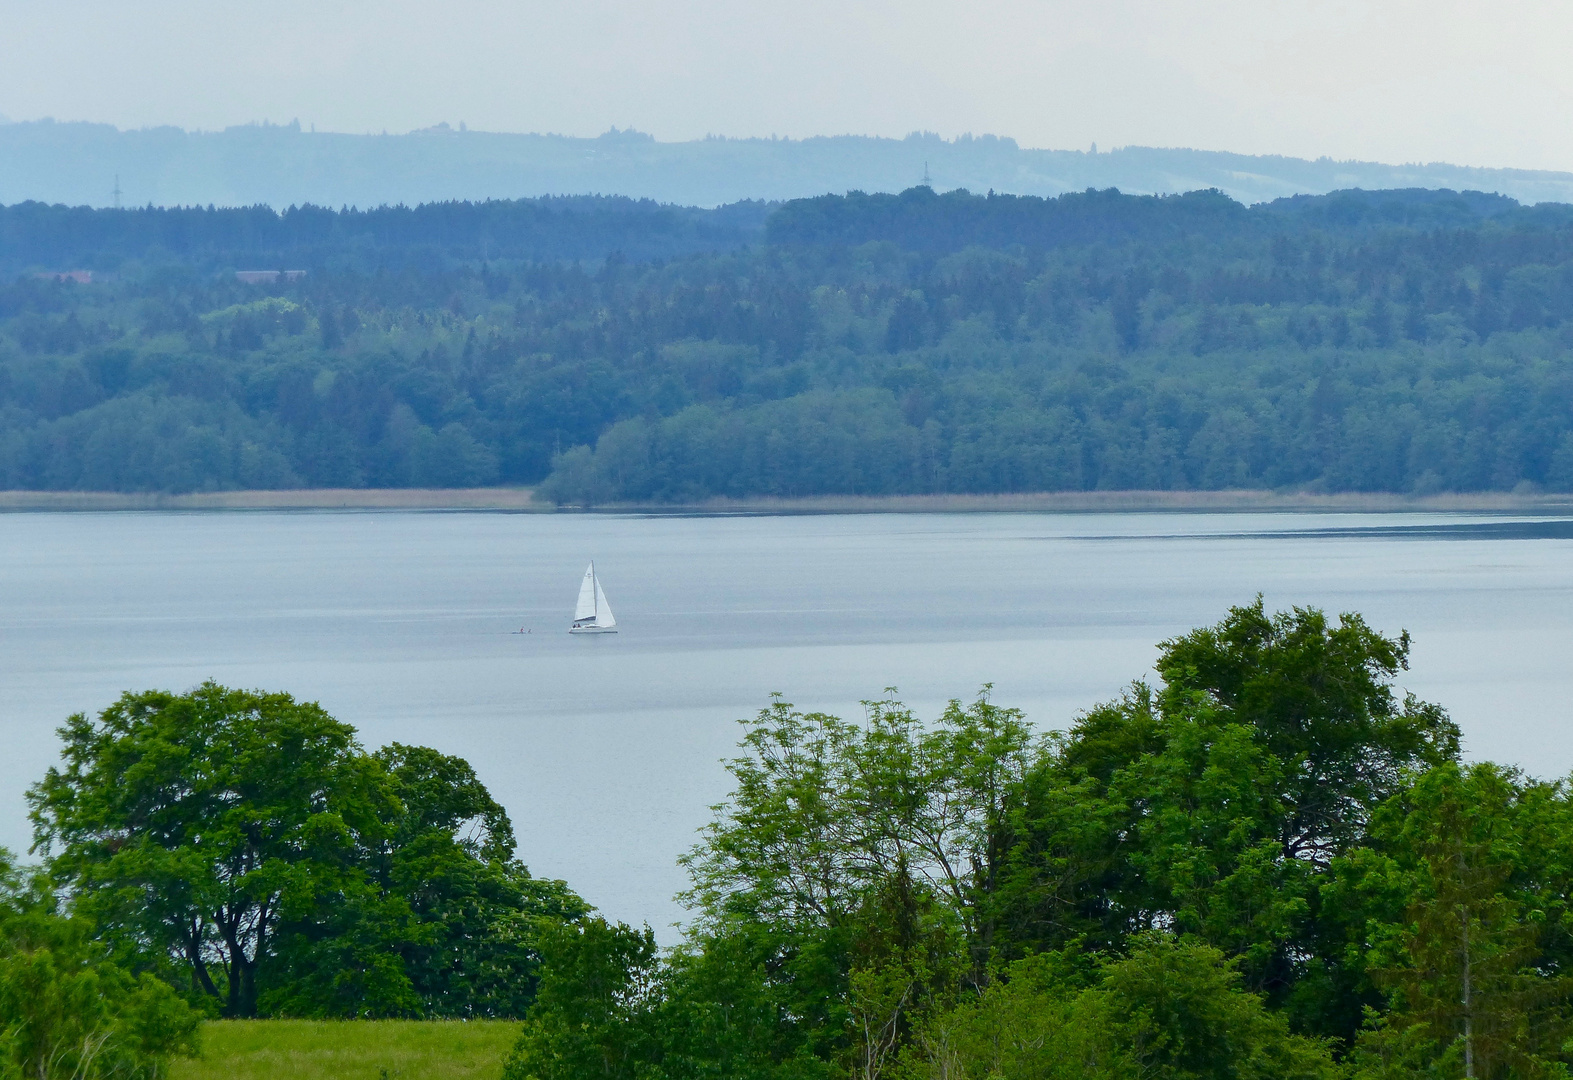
[[606, 749]]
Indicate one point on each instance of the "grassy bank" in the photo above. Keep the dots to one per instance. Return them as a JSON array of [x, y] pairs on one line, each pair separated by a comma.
[[350, 1050]]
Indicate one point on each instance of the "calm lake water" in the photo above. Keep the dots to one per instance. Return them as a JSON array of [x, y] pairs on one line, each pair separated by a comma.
[[606, 749]]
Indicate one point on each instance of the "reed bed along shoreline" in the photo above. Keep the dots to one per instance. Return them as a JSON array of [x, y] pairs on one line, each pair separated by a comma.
[[522, 500]]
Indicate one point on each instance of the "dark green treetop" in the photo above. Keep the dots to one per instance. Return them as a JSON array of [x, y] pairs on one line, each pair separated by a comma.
[[249, 839]]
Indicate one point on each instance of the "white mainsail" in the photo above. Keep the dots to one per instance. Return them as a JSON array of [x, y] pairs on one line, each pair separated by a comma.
[[592, 614], [584, 610]]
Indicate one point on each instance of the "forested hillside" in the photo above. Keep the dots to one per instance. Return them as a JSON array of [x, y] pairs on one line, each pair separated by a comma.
[[34, 235], [1392, 341]]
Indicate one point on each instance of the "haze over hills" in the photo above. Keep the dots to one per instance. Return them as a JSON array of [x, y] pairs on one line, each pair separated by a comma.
[[283, 165]]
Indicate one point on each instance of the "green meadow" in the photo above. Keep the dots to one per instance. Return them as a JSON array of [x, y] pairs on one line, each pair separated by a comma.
[[349, 1050]]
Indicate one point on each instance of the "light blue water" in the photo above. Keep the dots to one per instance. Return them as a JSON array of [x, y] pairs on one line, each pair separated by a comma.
[[606, 749]]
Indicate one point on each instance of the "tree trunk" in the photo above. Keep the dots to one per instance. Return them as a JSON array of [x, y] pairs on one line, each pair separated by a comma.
[[1469, 1019], [200, 972], [242, 979], [242, 986], [248, 987]]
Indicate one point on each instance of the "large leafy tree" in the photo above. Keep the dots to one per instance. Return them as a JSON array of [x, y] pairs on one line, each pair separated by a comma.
[[1227, 794], [249, 839], [825, 813], [450, 858], [848, 879], [195, 823], [1472, 944], [1318, 697]]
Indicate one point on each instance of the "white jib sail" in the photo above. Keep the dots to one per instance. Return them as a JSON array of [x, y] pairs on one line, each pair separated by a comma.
[[584, 611], [603, 610]]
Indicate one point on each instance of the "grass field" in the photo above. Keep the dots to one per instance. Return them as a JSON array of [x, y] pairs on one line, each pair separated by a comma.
[[350, 1050]]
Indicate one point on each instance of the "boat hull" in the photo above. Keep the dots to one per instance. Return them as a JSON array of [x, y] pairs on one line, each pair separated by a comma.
[[592, 629]]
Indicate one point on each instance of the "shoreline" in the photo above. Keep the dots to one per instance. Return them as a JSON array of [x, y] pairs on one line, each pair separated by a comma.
[[521, 500], [282, 499]]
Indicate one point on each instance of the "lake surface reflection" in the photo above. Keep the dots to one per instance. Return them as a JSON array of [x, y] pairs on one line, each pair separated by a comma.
[[606, 749]]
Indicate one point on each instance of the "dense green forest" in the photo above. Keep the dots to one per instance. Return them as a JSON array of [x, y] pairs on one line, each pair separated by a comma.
[[1266, 865], [607, 350], [437, 234]]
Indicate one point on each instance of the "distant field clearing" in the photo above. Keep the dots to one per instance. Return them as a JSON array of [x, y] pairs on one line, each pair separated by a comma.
[[350, 1050]]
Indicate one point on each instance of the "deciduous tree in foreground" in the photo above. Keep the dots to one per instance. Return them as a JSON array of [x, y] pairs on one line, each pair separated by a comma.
[[1269, 865], [245, 844]]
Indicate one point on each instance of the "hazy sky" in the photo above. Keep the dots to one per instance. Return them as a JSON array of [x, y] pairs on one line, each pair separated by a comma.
[[1467, 82]]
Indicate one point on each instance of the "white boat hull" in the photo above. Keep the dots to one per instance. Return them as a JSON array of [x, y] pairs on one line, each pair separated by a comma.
[[592, 629]]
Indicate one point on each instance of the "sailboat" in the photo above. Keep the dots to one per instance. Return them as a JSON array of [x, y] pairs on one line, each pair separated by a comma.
[[592, 615]]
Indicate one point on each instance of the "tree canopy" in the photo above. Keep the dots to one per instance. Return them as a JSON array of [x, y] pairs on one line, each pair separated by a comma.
[[1406, 341], [1272, 863], [247, 841]]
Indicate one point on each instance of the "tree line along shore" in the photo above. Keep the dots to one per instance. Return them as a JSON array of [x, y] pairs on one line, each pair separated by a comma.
[[605, 351], [1269, 862]]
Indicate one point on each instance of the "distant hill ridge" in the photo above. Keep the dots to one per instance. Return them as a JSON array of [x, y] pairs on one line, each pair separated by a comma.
[[283, 165]]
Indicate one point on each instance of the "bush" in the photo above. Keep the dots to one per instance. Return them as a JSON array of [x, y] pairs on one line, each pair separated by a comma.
[[67, 1011], [1171, 1010]]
